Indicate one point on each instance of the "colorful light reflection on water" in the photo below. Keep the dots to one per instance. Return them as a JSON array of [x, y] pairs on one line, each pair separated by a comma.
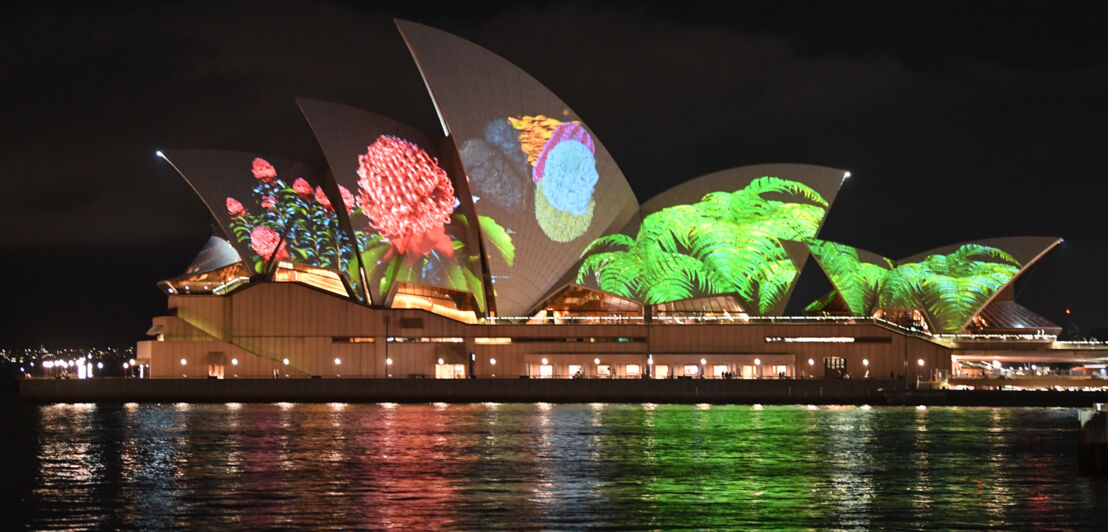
[[512, 466]]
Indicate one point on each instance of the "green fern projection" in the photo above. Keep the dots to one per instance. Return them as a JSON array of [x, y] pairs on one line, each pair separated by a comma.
[[727, 243], [948, 287], [858, 282], [951, 287]]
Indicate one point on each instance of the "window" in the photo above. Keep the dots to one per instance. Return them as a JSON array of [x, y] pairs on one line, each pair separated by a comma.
[[718, 370], [634, 370], [450, 371], [661, 372], [834, 367], [604, 370], [781, 370], [546, 371], [575, 371], [692, 370], [750, 371]]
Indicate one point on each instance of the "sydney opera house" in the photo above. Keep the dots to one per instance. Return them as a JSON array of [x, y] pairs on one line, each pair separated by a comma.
[[511, 245]]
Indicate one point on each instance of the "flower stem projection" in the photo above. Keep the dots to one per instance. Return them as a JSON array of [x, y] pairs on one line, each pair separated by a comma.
[[412, 230], [727, 243], [312, 237]]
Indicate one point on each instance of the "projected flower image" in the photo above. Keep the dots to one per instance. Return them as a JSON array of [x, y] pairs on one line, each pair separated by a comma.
[[563, 156], [413, 230], [299, 213], [727, 243]]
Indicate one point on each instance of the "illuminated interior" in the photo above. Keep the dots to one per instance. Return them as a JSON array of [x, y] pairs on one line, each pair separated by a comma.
[[579, 301], [218, 282], [905, 317], [452, 304], [320, 278], [726, 307]]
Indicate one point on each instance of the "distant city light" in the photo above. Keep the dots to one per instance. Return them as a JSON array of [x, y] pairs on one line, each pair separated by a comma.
[[125, 365], [234, 361], [920, 362], [811, 362], [492, 361], [388, 361], [440, 361], [286, 361], [338, 361], [596, 361], [757, 362], [184, 362], [865, 362], [545, 362]]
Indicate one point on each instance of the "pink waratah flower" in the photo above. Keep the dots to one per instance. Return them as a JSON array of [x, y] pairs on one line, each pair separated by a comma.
[[322, 198], [347, 198], [269, 202], [302, 188], [263, 170], [263, 241], [234, 207], [406, 195]]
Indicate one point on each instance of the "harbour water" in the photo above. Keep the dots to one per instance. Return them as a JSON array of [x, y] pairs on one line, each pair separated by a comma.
[[544, 466]]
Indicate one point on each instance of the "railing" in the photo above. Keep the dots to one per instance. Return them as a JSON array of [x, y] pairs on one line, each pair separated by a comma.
[[1037, 337]]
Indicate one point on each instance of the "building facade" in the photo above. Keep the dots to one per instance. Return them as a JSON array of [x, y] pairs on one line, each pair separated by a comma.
[[511, 245]]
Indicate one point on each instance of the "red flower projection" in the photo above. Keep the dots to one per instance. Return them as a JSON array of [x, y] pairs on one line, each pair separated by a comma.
[[347, 199], [302, 188], [234, 207], [322, 198], [406, 195], [264, 242], [263, 170]]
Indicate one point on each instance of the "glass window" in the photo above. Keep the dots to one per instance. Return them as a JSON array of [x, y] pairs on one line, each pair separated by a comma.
[[692, 370], [604, 370], [634, 370]]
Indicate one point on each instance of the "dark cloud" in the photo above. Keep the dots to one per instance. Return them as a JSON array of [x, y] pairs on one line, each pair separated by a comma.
[[958, 121]]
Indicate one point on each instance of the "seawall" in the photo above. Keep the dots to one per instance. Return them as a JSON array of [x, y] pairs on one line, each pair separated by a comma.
[[457, 390]]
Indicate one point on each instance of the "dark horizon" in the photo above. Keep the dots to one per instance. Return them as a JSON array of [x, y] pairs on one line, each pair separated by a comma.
[[957, 123]]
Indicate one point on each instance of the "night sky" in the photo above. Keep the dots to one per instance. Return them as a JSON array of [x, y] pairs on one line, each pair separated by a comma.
[[958, 121]]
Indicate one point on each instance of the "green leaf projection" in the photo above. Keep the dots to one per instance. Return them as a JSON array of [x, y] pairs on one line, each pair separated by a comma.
[[858, 282], [950, 288], [727, 243]]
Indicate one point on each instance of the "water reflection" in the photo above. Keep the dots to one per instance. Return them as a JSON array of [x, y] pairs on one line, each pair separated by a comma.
[[511, 466]]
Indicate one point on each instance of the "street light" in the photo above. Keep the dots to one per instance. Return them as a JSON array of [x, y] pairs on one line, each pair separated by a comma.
[[184, 362], [234, 361], [388, 366], [338, 361]]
